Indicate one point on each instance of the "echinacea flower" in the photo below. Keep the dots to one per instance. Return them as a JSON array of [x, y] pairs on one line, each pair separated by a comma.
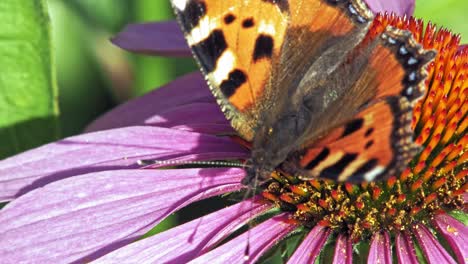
[[85, 198]]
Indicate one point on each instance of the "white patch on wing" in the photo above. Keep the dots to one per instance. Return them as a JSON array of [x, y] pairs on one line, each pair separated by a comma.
[[180, 4], [202, 31], [267, 28], [224, 66], [370, 176]]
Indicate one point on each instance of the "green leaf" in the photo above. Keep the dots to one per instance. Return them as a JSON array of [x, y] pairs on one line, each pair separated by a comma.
[[419, 253], [28, 106], [78, 49], [460, 216]]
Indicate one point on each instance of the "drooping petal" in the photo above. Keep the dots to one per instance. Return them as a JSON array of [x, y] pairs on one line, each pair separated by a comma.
[[311, 246], [261, 238], [185, 242], [399, 7], [343, 250], [432, 249], [158, 38], [456, 234], [82, 218], [405, 249], [107, 150], [189, 89], [381, 249]]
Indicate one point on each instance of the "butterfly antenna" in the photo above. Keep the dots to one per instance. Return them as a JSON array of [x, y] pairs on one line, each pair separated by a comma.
[[247, 247], [250, 192], [192, 162]]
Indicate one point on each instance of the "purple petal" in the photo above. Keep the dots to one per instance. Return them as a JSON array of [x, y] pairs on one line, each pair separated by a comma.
[[261, 238], [197, 117], [399, 7], [107, 150], [432, 249], [343, 250], [212, 129], [405, 249], [159, 38], [456, 234], [186, 90], [85, 217], [311, 246], [182, 243], [381, 249]]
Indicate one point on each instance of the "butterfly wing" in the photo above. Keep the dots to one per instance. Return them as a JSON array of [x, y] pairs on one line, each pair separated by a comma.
[[374, 144], [392, 64], [378, 140], [252, 51]]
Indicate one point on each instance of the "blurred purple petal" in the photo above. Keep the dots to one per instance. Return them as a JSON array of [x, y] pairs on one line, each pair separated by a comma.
[[262, 238], [405, 249], [311, 246], [343, 250], [399, 7], [185, 242], [158, 38], [381, 249], [456, 234], [186, 90], [86, 217], [432, 249], [107, 150]]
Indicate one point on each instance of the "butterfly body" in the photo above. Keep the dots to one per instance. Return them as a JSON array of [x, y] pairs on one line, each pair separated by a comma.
[[303, 82]]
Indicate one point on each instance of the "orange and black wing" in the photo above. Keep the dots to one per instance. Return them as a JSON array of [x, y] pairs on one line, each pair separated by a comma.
[[376, 143], [376, 139], [253, 51]]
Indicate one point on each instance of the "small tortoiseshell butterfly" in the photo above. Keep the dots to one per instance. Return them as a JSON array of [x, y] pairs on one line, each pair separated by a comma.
[[302, 82]]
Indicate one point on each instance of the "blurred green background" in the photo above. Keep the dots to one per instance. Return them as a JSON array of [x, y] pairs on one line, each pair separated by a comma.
[[101, 75]]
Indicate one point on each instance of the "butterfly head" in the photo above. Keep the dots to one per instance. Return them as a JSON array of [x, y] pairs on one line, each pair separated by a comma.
[[272, 146], [259, 167]]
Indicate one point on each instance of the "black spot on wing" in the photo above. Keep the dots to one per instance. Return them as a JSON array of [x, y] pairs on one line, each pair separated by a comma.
[[263, 47], [369, 131], [248, 23], [229, 18], [358, 175], [235, 80], [369, 144], [193, 12], [320, 157], [353, 126], [336, 169], [210, 49], [283, 5]]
